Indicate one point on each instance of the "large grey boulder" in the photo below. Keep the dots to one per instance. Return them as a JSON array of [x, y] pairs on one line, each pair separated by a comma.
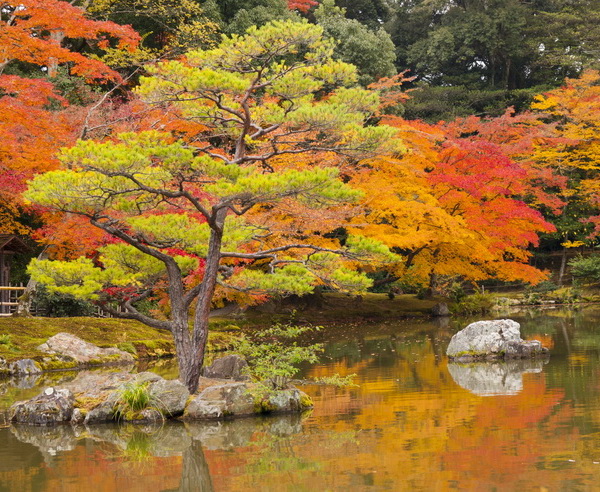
[[240, 399], [494, 378], [169, 396], [492, 340], [228, 367], [83, 352], [49, 408], [221, 401]]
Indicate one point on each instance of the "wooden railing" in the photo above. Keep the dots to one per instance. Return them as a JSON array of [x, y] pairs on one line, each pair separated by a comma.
[[9, 298]]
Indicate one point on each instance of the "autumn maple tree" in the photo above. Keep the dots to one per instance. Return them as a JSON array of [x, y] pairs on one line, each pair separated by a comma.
[[34, 121], [188, 215], [574, 110], [456, 206]]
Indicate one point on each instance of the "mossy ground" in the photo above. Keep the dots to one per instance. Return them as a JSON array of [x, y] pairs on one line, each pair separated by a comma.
[[26, 334]]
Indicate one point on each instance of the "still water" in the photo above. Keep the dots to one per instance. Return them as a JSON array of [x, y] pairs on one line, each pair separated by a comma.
[[415, 422]]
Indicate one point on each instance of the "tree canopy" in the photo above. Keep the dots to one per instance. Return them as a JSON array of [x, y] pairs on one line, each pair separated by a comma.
[[186, 215]]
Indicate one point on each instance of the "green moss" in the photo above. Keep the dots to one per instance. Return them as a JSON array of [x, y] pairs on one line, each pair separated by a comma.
[[127, 347], [28, 333], [262, 405], [56, 364], [306, 401], [107, 359], [87, 403]]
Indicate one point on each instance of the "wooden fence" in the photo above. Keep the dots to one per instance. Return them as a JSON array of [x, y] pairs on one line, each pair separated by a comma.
[[9, 298]]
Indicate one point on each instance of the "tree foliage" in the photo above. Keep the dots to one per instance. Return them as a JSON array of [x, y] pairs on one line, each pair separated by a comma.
[[188, 215], [371, 51], [36, 38], [455, 205]]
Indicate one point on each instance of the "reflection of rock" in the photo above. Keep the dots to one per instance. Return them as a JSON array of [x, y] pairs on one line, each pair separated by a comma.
[[170, 439], [440, 310], [494, 378], [492, 340], [27, 382], [230, 434], [82, 352], [49, 440]]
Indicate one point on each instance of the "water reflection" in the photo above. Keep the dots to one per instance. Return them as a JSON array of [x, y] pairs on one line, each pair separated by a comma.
[[179, 448], [414, 423], [494, 378]]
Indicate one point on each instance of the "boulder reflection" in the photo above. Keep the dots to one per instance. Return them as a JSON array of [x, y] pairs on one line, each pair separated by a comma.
[[494, 378], [140, 444]]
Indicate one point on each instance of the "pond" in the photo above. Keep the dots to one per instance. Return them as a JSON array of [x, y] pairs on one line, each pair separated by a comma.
[[414, 422]]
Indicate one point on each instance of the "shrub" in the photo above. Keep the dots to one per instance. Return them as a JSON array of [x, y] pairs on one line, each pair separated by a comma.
[[133, 398], [7, 343], [544, 287], [56, 305], [273, 355]]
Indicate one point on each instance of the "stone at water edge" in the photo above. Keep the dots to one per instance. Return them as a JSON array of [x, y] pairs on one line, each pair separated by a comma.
[[24, 367], [220, 401], [228, 367], [170, 396], [490, 340], [49, 408], [236, 399]]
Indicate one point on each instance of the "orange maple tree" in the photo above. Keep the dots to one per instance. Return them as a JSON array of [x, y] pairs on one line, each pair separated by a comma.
[[455, 203], [574, 110], [35, 120]]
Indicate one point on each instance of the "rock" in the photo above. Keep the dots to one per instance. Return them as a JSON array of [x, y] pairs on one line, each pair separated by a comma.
[[93, 384], [237, 399], [220, 401], [102, 413], [149, 415], [228, 367], [169, 396], [494, 378], [146, 377], [82, 352], [492, 340], [288, 400], [440, 310], [24, 367], [45, 409], [77, 417]]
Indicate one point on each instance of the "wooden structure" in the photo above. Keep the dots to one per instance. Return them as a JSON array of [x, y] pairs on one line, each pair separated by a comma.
[[9, 246]]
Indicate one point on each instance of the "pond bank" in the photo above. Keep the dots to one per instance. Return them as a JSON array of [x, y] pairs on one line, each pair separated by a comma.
[[20, 338]]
